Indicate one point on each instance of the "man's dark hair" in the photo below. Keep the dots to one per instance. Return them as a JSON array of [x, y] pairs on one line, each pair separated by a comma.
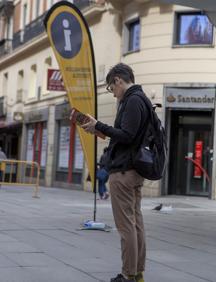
[[122, 71]]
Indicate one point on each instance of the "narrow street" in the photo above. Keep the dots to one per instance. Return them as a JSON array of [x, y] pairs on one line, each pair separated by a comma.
[[40, 240]]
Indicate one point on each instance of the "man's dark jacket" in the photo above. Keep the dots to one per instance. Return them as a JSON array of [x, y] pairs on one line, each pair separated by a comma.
[[130, 123]]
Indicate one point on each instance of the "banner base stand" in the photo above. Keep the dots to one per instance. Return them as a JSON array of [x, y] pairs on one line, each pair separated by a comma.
[[95, 225]]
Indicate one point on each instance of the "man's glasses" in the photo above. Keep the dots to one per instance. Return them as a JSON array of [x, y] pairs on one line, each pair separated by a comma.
[[110, 88]]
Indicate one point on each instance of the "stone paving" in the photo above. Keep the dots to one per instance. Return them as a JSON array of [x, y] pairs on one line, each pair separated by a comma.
[[40, 240]]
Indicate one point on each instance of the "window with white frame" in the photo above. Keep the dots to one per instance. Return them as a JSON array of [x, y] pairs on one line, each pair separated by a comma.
[[32, 82], [2, 24], [132, 36], [192, 28], [5, 84], [9, 29], [25, 11], [52, 2], [47, 65], [20, 81], [37, 8]]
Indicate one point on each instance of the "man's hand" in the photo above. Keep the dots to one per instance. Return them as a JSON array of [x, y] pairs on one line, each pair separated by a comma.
[[90, 125]]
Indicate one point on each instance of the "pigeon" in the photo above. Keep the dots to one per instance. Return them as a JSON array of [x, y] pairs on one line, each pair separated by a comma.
[[158, 208], [166, 209]]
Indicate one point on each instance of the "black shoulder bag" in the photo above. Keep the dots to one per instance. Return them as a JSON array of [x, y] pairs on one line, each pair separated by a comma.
[[149, 160]]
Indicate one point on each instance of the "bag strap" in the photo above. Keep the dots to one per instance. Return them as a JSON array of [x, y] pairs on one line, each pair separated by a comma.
[[149, 107], [151, 114]]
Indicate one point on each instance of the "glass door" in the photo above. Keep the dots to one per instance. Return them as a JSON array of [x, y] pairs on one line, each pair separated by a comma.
[[198, 159], [191, 153]]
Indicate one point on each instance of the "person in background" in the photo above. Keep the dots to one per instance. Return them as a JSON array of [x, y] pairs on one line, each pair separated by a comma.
[[132, 119], [2, 164], [194, 32], [102, 176], [2, 155]]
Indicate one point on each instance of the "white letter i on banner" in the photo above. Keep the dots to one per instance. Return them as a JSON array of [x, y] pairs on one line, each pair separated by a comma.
[[67, 34]]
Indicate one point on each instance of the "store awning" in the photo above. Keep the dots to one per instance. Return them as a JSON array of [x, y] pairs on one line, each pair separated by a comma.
[[207, 6], [5, 124]]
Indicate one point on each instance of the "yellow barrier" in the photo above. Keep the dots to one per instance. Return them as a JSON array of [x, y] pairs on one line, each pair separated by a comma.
[[21, 173]]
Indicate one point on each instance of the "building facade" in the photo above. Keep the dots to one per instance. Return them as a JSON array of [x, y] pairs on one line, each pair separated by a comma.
[[172, 51]]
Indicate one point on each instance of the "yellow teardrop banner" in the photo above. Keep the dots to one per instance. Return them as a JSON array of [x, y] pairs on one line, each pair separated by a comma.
[[71, 42]]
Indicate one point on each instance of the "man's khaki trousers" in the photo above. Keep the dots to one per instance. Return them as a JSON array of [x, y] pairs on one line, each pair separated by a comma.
[[125, 190]]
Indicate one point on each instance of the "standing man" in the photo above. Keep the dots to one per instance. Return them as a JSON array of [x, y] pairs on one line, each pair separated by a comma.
[[125, 183]]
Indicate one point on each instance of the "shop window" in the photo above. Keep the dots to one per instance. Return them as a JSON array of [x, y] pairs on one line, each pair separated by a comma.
[[132, 36], [44, 147], [64, 147], [69, 154], [30, 143], [192, 29], [37, 144], [79, 157]]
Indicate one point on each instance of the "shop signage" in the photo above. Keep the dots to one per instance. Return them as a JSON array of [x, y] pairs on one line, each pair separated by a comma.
[[54, 80], [62, 111], [190, 98], [70, 39], [36, 116]]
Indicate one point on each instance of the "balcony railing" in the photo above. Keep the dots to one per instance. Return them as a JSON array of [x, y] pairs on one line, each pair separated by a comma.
[[35, 28], [17, 39], [30, 31]]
